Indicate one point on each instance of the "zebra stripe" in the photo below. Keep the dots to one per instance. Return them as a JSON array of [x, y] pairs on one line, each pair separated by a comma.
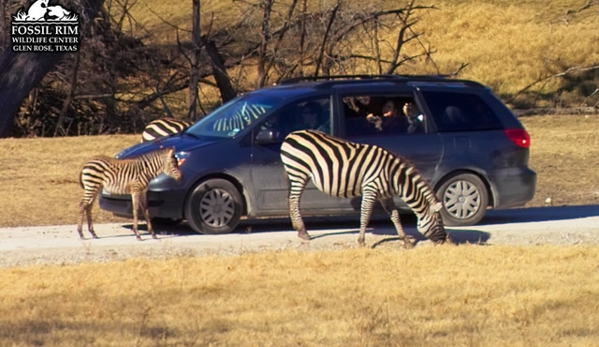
[[125, 176], [162, 128], [346, 169], [241, 119]]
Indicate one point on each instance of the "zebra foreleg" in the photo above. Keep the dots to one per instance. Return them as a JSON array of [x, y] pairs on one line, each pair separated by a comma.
[[136, 204], [393, 213], [146, 212]]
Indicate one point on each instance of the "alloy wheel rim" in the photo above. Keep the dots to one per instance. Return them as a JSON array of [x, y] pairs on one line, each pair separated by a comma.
[[461, 199], [217, 208]]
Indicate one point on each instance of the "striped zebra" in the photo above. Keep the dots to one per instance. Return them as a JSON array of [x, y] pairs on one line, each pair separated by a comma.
[[125, 176], [345, 169], [162, 128]]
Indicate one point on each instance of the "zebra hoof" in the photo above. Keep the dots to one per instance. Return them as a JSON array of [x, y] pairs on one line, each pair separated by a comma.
[[408, 242], [303, 235]]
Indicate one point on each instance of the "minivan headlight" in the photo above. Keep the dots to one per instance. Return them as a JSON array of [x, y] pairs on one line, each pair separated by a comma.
[[181, 157]]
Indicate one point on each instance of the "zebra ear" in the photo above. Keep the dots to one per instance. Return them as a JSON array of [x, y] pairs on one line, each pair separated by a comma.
[[437, 207]]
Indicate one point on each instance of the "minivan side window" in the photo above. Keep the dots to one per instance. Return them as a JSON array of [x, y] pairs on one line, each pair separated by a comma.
[[368, 115], [309, 114], [454, 112]]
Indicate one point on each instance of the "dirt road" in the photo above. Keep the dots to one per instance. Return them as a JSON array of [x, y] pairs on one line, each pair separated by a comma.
[[566, 225]]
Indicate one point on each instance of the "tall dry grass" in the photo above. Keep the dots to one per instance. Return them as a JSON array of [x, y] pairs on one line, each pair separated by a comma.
[[511, 45], [40, 177], [565, 154], [429, 296]]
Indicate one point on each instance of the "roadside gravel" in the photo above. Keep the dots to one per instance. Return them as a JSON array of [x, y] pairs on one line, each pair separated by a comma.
[[61, 244]]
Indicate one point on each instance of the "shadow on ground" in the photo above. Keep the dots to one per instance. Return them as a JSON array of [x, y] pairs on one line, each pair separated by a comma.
[[540, 214], [380, 224]]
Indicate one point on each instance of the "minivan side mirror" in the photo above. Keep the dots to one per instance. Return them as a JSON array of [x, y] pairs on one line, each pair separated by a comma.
[[266, 137]]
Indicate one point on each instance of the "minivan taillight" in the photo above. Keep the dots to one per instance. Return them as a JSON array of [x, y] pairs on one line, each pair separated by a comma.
[[519, 137]]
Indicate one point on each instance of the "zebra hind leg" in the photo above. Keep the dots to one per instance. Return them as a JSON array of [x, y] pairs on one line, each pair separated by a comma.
[[393, 213], [85, 207], [90, 225], [82, 210], [368, 199], [295, 195]]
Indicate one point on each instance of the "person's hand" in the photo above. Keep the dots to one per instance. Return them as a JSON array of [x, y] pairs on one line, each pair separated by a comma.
[[376, 120]]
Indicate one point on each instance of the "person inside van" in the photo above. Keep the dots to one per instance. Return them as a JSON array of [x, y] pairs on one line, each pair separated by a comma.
[[414, 117], [389, 122]]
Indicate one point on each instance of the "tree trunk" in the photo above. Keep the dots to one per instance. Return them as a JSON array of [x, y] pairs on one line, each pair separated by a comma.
[[264, 43], [227, 92], [21, 72], [195, 59], [67, 101]]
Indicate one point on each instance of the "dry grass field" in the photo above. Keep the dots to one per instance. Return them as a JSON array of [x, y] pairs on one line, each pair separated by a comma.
[[40, 176], [428, 296], [565, 154]]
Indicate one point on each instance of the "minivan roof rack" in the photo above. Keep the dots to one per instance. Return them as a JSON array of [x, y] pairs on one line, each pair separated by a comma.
[[389, 77], [336, 80]]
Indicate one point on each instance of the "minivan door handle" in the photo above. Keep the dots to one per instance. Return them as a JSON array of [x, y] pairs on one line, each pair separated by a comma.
[[461, 142]]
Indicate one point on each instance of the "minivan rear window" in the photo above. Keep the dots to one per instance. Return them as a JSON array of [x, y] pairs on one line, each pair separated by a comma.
[[453, 112]]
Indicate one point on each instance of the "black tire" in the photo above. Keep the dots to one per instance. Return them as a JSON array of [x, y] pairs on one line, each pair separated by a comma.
[[465, 200], [214, 207]]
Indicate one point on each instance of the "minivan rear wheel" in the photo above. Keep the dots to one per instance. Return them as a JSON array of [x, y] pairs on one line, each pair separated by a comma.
[[214, 207], [465, 200]]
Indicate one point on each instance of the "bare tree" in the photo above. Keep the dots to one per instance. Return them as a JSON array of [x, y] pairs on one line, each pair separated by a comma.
[[69, 98], [123, 77], [546, 77], [327, 38], [21, 72]]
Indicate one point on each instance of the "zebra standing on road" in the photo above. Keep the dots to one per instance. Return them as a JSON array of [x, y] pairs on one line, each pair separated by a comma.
[[162, 128], [345, 169], [124, 176]]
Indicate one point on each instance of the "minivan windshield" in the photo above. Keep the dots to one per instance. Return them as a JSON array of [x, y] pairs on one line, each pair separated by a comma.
[[234, 116]]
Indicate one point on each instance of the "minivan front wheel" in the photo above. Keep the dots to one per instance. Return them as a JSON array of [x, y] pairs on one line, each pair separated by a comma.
[[214, 207], [465, 200]]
